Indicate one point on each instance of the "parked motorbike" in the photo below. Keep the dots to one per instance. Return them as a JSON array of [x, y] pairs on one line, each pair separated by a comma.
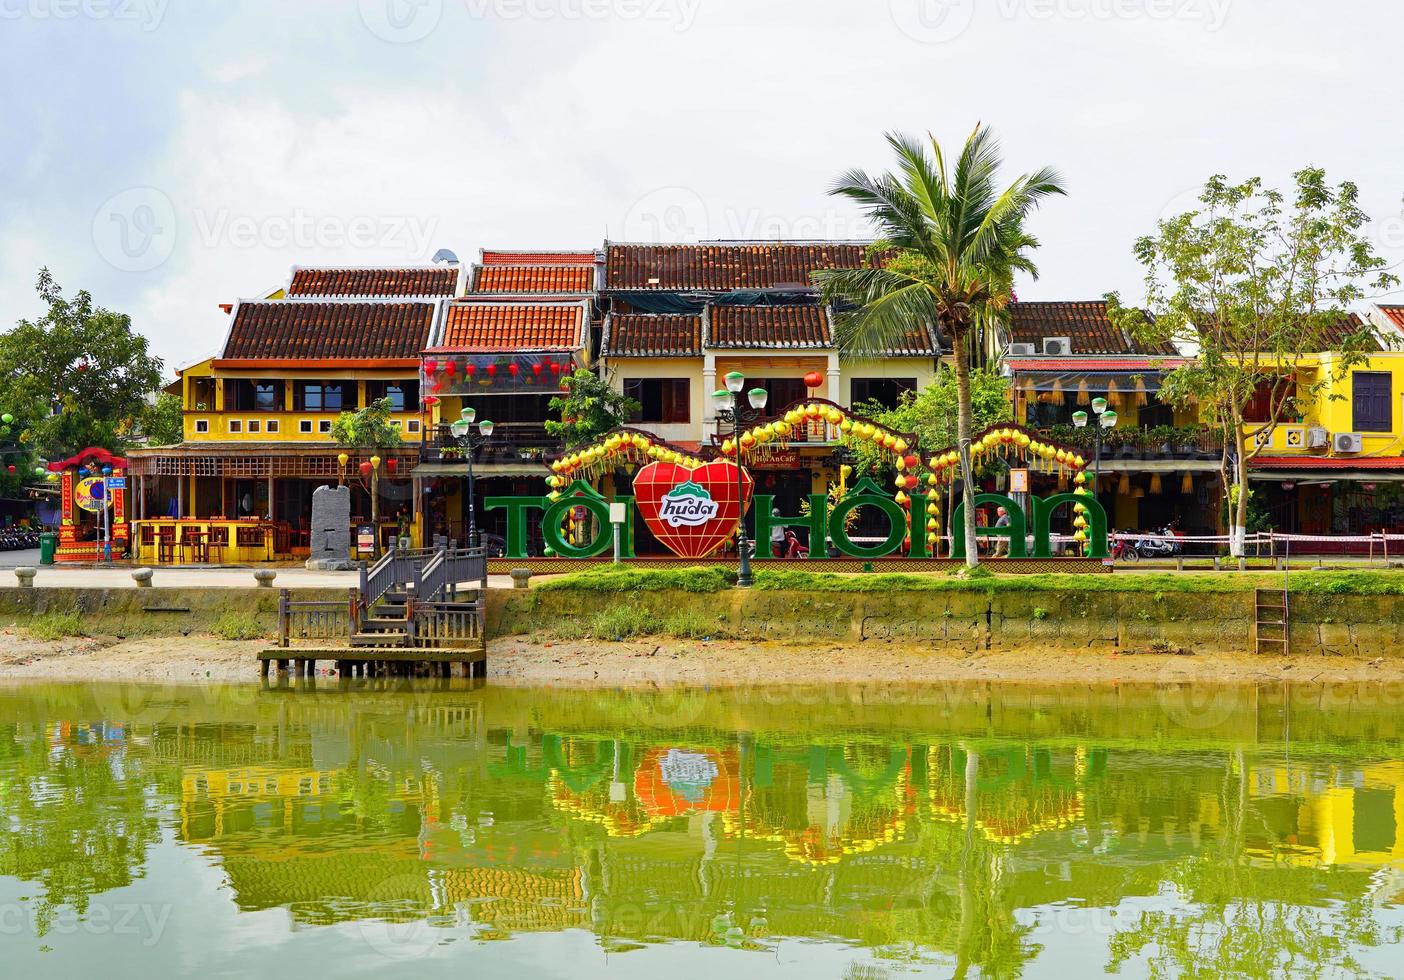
[[1123, 549], [1163, 545]]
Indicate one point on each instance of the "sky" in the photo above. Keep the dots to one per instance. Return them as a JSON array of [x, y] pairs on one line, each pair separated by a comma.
[[172, 155]]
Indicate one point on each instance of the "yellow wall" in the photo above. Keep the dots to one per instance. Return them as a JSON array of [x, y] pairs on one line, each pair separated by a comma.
[[213, 423], [1333, 408], [667, 367]]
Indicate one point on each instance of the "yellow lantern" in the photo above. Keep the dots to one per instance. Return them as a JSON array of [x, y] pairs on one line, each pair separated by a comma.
[[900, 446]]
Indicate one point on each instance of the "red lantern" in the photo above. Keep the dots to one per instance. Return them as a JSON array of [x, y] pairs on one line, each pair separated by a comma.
[[492, 370], [11, 467], [813, 379], [470, 369], [437, 386], [536, 369], [555, 367], [911, 461], [391, 465], [430, 365], [431, 400], [365, 469], [450, 368], [512, 369]]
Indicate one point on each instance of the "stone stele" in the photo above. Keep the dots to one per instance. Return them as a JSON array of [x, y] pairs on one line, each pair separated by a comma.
[[331, 530]]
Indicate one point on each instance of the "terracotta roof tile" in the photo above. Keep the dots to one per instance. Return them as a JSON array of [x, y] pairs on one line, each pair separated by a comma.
[[538, 258], [1085, 323], [725, 266], [1349, 326], [653, 335], [513, 327], [406, 281], [1395, 314], [294, 329], [769, 327], [533, 279]]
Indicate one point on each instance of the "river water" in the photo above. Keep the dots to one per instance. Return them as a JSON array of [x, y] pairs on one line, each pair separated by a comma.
[[859, 833]]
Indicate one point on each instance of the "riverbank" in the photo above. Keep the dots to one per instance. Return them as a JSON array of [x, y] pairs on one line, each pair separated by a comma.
[[657, 662]]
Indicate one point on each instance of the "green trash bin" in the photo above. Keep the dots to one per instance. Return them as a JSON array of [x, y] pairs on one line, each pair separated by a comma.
[[48, 545]]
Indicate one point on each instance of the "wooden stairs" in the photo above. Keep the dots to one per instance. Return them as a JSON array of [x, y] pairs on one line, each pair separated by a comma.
[[1272, 621], [387, 625]]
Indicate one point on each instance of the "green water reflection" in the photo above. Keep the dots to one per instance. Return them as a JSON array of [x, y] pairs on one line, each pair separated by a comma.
[[856, 832]]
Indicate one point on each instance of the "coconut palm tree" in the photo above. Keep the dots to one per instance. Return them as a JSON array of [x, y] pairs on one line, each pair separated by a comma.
[[950, 244]]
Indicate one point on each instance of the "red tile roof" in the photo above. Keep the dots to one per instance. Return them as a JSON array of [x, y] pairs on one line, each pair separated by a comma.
[[439, 280], [328, 329], [652, 335], [513, 327], [725, 266], [533, 279], [1395, 314], [1347, 328], [1327, 462], [1086, 323], [768, 327], [537, 258], [1096, 364]]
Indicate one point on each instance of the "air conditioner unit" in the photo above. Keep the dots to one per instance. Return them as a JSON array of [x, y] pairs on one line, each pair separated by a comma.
[[1021, 350], [1347, 442], [1057, 346], [1318, 438]]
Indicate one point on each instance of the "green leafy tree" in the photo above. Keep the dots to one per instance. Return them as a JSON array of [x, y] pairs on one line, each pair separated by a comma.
[[367, 428], [1257, 282], [587, 409], [951, 243], [163, 423], [931, 414], [78, 376]]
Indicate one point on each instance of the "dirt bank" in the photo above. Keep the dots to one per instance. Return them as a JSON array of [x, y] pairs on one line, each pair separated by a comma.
[[647, 663]]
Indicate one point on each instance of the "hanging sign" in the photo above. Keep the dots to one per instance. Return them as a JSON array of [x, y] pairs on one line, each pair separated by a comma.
[[1018, 481]]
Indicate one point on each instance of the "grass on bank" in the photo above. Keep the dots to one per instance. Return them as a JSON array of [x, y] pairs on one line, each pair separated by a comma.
[[238, 626], [627, 621], [56, 626], [622, 581]]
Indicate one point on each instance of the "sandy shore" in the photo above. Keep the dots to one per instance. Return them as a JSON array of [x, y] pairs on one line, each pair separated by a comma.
[[649, 663]]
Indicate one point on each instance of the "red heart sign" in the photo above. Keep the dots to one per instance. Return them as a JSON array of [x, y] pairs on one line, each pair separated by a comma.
[[691, 511]]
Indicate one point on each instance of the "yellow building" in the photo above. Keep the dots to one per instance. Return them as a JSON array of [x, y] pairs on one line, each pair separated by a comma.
[[259, 417]]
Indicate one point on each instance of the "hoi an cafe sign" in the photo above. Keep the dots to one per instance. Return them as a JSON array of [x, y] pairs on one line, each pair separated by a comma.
[[694, 511]]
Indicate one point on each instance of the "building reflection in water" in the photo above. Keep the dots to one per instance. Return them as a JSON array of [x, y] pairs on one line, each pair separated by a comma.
[[945, 826]]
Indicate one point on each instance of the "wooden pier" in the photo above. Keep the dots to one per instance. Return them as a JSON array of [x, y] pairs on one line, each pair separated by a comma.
[[281, 664]]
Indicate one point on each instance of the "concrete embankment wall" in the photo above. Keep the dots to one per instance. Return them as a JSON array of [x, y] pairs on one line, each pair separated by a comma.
[[975, 619], [150, 612]]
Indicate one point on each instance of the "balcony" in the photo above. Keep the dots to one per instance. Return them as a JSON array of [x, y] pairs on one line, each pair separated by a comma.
[[1161, 442], [511, 443], [257, 426]]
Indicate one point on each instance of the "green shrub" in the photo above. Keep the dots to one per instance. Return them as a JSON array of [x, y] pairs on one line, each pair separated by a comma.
[[238, 626], [633, 579], [624, 621], [693, 626], [57, 626], [1040, 612]]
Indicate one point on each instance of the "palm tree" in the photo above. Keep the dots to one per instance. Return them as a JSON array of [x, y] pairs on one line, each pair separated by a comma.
[[950, 246]]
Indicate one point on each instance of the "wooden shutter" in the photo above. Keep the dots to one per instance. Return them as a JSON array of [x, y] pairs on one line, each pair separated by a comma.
[[1372, 401]]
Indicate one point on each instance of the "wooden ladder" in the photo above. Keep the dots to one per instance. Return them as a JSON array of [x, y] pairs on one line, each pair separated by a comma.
[[1271, 621]]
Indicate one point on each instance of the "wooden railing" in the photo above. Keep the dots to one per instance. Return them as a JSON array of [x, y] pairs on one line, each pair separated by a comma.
[[322, 619], [439, 625]]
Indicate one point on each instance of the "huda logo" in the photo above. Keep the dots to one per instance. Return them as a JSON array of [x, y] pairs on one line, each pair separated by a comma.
[[687, 505]]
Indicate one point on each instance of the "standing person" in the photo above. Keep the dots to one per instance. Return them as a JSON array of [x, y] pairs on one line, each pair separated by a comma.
[[1001, 548]]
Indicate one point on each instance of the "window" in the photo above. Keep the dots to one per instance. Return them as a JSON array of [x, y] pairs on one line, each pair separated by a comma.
[[884, 391], [271, 426], [304, 426], [202, 425], [319, 396], [241, 395], [413, 425], [1268, 392], [235, 425], [1372, 399], [661, 400], [324, 426], [403, 395], [252, 425], [783, 393]]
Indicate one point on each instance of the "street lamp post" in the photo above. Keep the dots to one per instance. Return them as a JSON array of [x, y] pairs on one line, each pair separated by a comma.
[[1106, 419], [463, 432], [731, 408]]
